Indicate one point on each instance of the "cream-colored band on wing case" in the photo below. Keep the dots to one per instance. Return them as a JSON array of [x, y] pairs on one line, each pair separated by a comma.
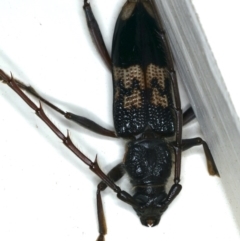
[[127, 75], [160, 74]]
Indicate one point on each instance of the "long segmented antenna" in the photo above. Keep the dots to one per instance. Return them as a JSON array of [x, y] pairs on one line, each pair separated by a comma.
[[94, 167]]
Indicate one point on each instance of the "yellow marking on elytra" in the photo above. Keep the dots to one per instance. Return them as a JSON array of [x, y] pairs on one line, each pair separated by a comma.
[[155, 72], [127, 76], [160, 74], [134, 100], [157, 99]]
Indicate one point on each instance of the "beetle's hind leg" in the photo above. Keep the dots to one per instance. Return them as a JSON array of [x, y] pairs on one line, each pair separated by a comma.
[[115, 174], [96, 34]]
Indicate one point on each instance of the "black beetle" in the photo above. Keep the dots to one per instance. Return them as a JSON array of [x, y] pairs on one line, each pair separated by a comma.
[[146, 110]]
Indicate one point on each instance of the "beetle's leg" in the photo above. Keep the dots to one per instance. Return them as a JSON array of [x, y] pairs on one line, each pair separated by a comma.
[[115, 174], [188, 115], [82, 121], [96, 34], [90, 125], [188, 143]]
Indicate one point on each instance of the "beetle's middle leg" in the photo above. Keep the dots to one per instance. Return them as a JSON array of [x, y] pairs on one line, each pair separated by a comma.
[[82, 121], [96, 34]]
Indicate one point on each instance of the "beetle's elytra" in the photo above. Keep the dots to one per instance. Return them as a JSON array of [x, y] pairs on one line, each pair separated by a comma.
[[146, 111], [142, 85]]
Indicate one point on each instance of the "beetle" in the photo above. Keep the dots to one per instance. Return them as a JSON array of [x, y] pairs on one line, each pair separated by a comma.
[[147, 134]]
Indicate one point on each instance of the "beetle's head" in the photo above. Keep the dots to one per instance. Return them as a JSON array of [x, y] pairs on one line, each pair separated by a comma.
[[150, 209]]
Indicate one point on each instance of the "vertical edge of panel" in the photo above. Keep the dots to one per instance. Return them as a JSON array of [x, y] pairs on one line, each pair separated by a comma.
[[207, 92]]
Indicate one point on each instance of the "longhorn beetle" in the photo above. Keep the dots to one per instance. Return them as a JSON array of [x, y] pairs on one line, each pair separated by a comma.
[[146, 111]]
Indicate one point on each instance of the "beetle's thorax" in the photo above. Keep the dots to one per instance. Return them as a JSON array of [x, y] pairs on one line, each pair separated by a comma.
[[148, 163]]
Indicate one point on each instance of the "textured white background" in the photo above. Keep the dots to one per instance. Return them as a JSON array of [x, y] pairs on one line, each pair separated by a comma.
[[45, 192]]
